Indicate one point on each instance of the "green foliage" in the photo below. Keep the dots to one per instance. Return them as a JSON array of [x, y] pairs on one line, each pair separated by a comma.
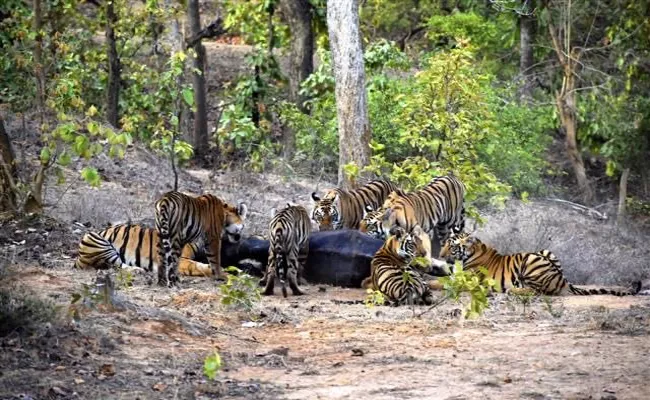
[[549, 305], [374, 298], [250, 19], [212, 365], [241, 291], [124, 279], [473, 283], [524, 296], [88, 298]]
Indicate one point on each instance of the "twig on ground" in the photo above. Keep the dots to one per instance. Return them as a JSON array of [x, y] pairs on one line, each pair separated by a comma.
[[589, 211], [431, 307]]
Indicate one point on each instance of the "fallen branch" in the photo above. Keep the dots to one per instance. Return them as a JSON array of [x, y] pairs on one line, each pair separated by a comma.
[[579, 207], [434, 305], [215, 29]]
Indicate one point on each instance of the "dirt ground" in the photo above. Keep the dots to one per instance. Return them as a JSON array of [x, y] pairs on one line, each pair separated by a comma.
[[153, 343]]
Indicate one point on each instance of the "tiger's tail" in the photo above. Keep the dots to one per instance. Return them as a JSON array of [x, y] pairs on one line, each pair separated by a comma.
[[636, 287]]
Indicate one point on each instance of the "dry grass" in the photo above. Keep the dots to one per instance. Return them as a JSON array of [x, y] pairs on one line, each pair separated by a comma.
[[591, 251]]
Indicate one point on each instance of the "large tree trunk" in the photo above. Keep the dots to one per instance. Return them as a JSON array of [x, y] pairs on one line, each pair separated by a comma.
[[622, 195], [200, 137], [526, 56], [113, 90], [351, 103], [298, 15], [39, 68]]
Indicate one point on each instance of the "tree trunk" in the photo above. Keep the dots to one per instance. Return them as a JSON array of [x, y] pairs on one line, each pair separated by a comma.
[[566, 101], [7, 171], [301, 60], [200, 137], [298, 14], [113, 90], [39, 69], [351, 103], [526, 59], [622, 195]]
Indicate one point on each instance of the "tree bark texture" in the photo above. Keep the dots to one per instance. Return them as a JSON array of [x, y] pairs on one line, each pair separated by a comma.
[[298, 15], [200, 137], [39, 68], [526, 56], [351, 98], [622, 195], [8, 174], [566, 102], [114, 66]]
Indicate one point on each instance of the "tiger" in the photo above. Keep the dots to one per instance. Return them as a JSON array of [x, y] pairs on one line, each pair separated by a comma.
[[183, 219], [289, 232], [135, 246], [437, 208], [540, 271], [341, 209], [391, 272], [371, 223]]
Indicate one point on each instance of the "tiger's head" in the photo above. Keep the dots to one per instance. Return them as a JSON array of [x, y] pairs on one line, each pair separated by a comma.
[[234, 221], [327, 211], [371, 223], [459, 247], [409, 245]]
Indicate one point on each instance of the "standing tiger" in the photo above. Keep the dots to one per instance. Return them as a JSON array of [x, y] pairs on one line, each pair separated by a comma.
[[437, 208], [135, 246], [391, 272], [540, 271], [341, 209], [182, 219], [289, 231]]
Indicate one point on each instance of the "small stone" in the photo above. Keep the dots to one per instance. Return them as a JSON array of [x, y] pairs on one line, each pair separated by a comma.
[[59, 368], [107, 369], [507, 379], [159, 387], [79, 381], [357, 352]]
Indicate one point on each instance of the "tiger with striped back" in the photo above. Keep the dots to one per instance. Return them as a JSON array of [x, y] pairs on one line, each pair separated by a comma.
[[437, 208], [135, 246], [289, 231], [341, 209], [372, 221], [391, 272], [540, 271], [183, 219]]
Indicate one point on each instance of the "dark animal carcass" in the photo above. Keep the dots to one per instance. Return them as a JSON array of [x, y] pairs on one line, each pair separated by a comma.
[[340, 258]]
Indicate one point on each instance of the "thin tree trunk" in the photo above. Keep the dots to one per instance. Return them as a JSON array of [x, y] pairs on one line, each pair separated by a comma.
[[622, 195], [39, 69], [7, 172], [526, 59], [351, 103], [113, 90], [200, 137]]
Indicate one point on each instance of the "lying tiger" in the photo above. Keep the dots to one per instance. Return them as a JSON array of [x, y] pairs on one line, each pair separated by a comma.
[[391, 272], [129, 245], [540, 271]]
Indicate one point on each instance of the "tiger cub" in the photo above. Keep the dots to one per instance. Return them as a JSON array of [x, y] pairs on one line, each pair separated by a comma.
[[182, 219], [289, 231], [540, 271], [391, 272]]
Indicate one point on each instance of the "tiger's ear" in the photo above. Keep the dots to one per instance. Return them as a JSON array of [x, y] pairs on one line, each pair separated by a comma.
[[242, 210], [273, 212], [314, 196], [369, 208]]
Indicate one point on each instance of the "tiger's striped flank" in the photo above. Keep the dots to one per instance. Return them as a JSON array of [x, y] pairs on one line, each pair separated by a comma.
[[540, 271], [342, 209]]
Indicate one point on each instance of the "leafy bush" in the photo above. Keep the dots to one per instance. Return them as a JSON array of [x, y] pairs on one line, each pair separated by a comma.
[[473, 283], [212, 365], [374, 298], [240, 290]]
